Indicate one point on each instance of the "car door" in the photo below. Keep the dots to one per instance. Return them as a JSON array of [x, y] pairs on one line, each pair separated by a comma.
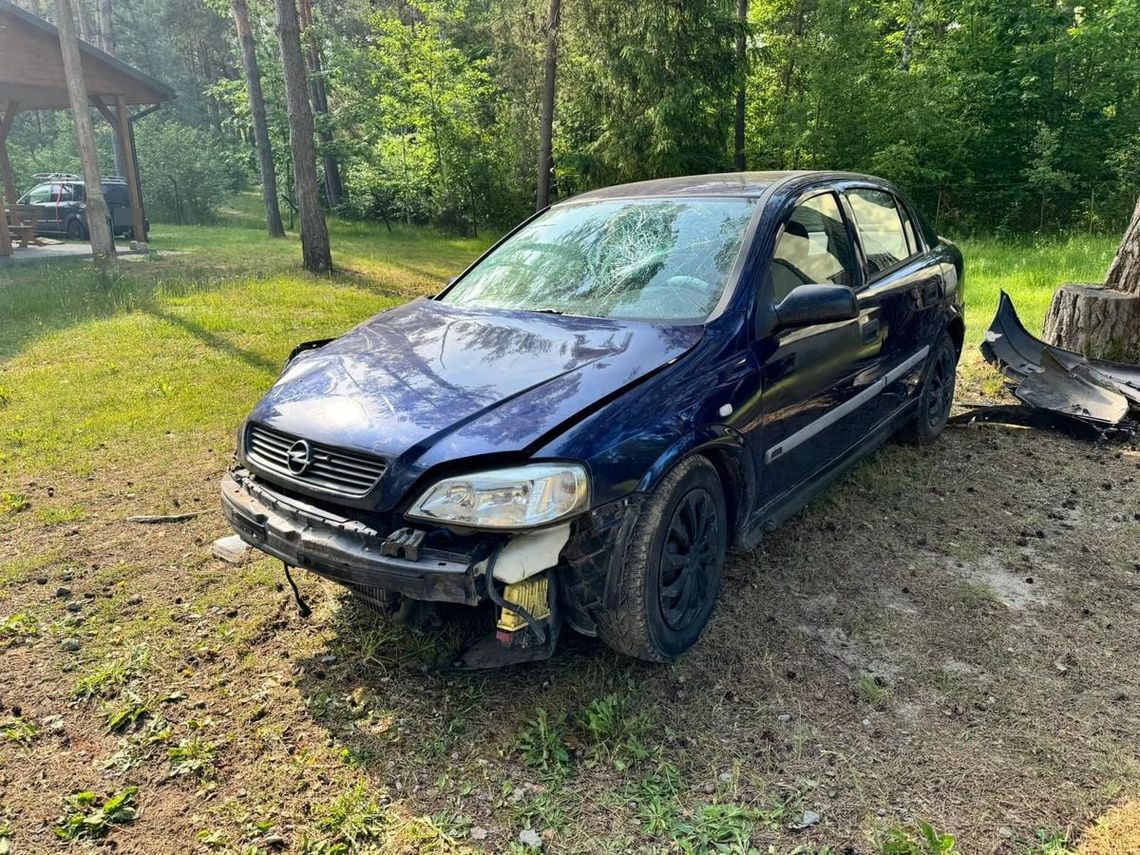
[[903, 289], [812, 377], [40, 198]]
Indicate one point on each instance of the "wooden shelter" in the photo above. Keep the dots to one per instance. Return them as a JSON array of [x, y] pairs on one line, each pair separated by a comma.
[[32, 78]]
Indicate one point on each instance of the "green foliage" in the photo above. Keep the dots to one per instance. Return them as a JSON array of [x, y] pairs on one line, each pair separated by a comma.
[[17, 627], [13, 503], [1052, 843], [646, 93], [109, 678], [928, 842], [351, 820], [996, 117], [193, 756], [187, 173], [18, 730], [615, 731], [129, 712], [542, 744], [85, 820], [868, 689]]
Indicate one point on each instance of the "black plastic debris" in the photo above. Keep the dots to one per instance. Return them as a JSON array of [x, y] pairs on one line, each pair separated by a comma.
[[1009, 414], [1015, 352], [1057, 380], [1072, 392]]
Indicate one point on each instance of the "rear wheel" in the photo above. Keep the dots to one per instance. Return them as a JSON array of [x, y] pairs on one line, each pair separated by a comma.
[[936, 396], [670, 578], [76, 230]]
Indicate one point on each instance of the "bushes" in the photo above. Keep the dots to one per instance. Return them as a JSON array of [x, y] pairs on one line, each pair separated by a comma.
[[187, 172]]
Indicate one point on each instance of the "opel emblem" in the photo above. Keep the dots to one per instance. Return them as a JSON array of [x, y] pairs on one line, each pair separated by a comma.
[[299, 456]]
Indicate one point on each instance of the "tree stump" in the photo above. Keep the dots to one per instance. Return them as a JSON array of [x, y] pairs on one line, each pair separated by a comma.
[[1099, 322]]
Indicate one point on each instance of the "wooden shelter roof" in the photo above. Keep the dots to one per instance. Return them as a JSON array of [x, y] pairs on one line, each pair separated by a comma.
[[31, 67]]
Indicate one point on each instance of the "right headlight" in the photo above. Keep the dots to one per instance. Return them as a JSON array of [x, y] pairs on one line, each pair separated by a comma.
[[510, 498]]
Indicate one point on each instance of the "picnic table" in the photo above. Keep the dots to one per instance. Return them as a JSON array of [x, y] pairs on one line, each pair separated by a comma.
[[21, 221]]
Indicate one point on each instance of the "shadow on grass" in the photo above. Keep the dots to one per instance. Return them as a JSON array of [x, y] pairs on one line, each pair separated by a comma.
[[213, 340], [53, 298]]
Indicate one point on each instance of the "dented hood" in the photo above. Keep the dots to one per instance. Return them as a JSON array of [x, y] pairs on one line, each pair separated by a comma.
[[477, 381]]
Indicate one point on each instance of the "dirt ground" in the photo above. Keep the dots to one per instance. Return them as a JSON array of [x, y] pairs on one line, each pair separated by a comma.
[[950, 635]]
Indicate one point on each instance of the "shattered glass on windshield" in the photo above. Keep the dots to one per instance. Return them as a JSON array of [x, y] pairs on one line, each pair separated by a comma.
[[652, 259]]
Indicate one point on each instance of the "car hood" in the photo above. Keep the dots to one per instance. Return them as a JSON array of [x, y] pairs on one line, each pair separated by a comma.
[[460, 381]]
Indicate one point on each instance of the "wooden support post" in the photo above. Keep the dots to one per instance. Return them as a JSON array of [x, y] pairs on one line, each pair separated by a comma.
[[6, 164], [9, 195], [119, 144], [137, 220]]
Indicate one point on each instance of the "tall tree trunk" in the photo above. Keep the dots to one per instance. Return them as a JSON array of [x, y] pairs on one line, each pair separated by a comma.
[[106, 27], [82, 19], [334, 187], [314, 233], [1124, 272], [1103, 321], [105, 20], [742, 69], [546, 128], [908, 35], [98, 215], [260, 124]]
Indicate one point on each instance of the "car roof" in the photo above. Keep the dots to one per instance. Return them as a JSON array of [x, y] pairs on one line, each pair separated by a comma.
[[732, 184]]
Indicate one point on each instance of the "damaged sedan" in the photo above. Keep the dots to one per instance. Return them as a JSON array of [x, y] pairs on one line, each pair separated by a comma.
[[579, 427]]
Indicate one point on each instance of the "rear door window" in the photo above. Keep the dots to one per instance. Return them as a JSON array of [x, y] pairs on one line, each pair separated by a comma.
[[886, 241], [813, 248]]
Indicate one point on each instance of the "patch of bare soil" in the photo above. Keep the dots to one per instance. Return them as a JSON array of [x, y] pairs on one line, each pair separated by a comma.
[[948, 635]]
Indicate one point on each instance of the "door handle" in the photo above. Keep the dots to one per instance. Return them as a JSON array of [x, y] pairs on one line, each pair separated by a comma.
[[871, 331], [928, 291]]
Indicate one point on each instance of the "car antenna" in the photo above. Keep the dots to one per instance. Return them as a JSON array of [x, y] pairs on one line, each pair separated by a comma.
[[302, 606]]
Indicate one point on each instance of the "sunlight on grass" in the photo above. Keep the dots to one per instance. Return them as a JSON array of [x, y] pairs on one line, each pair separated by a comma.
[[1029, 270], [174, 352]]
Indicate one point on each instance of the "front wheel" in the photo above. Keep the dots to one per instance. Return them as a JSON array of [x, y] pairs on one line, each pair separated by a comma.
[[670, 579], [76, 230], [936, 396]]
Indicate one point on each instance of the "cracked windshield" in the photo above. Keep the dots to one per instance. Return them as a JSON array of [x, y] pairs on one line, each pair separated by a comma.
[[658, 260]]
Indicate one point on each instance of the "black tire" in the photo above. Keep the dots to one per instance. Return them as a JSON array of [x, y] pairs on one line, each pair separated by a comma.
[[653, 619], [75, 229], [936, 397]]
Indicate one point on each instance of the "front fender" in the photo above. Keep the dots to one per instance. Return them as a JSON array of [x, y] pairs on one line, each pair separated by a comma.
[[725, 448]]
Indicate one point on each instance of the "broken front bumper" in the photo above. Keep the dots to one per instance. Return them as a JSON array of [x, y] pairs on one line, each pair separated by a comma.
[[342, 549]]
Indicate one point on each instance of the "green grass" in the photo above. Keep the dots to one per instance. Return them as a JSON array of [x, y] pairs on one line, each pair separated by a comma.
[[174, 351], [1029, 270]]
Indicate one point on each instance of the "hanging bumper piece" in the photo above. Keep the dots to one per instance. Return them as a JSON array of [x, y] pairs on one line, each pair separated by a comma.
[[1057, 380]]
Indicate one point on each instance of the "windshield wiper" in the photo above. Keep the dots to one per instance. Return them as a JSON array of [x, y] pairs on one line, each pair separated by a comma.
[[549, 311]]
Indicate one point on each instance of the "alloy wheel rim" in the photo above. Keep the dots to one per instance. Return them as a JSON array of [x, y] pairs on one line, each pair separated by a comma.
[[689, 551], [941, 390]]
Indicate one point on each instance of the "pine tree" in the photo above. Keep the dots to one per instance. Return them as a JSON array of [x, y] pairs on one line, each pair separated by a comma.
[[315, 251]]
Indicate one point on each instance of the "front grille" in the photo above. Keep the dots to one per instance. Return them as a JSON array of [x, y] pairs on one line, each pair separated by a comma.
[[328, 468]]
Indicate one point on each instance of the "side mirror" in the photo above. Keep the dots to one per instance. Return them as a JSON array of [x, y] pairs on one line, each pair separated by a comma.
[[817, 304]]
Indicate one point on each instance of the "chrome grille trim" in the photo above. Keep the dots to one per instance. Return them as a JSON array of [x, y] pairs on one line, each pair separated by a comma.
[[330, 469]]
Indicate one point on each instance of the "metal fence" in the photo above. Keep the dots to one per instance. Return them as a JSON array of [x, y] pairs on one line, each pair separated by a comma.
[[1022, 209]]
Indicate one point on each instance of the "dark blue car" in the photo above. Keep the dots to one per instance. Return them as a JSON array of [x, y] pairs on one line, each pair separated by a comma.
[[627, 385]]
